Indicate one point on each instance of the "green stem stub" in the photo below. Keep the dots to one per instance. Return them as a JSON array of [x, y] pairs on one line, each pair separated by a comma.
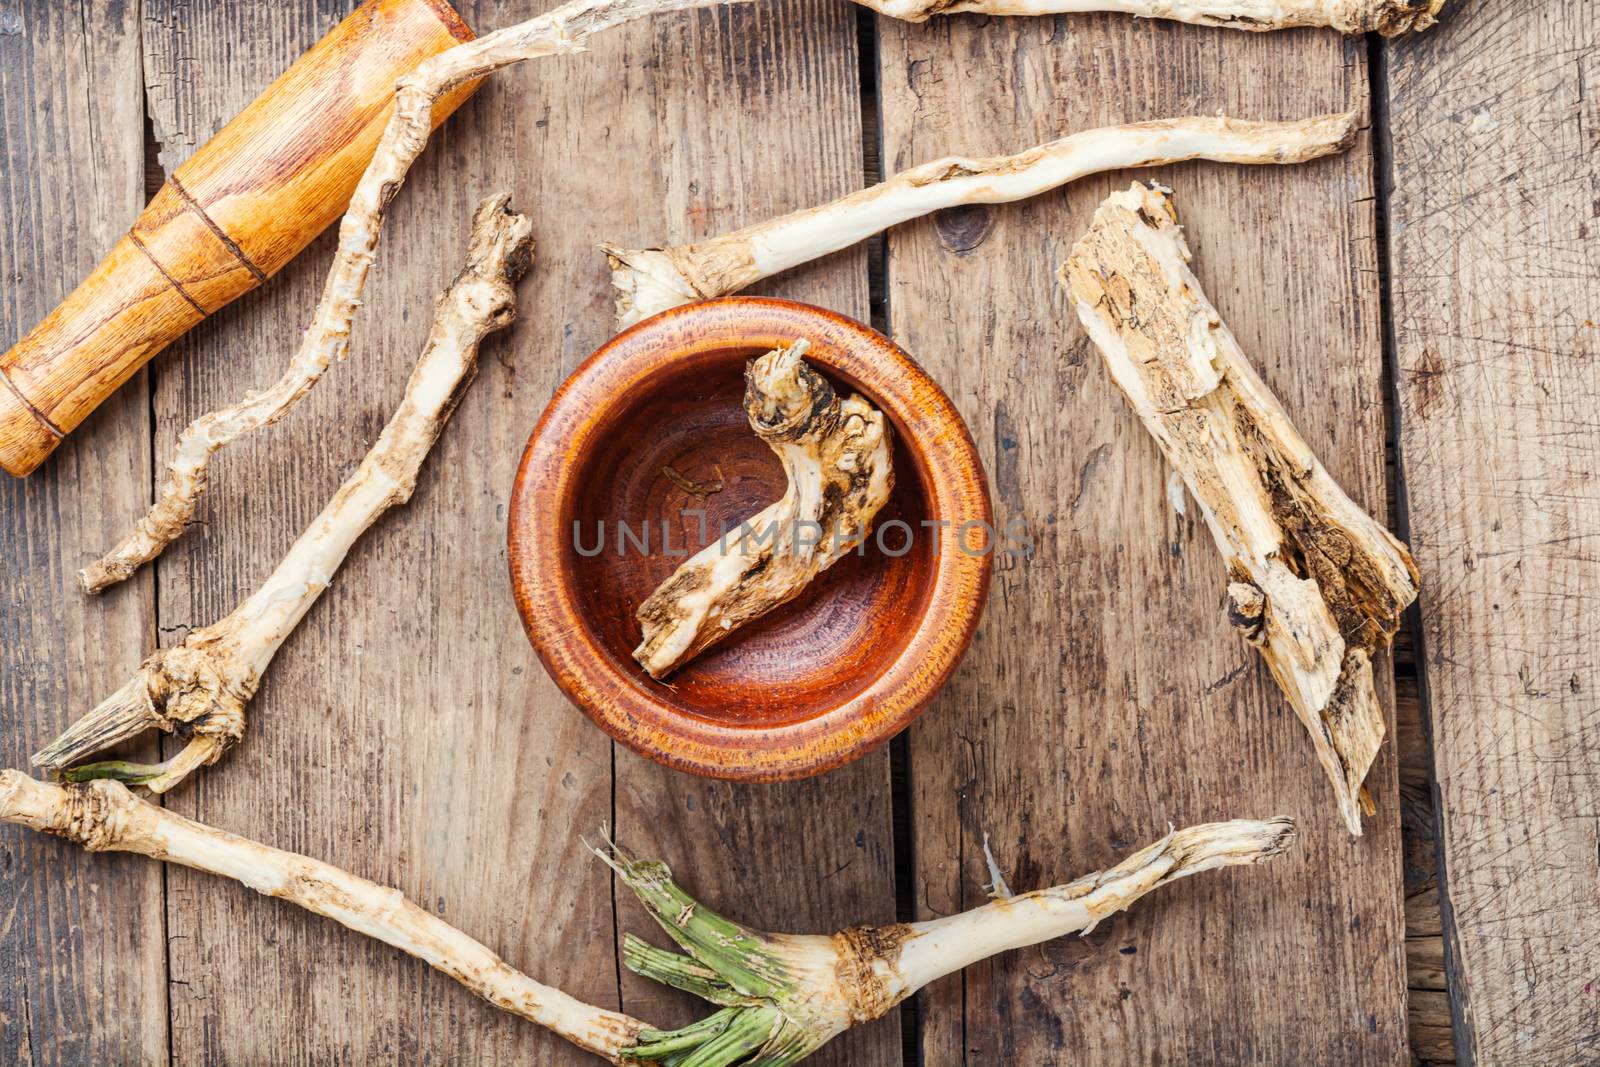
[[729, 964], [117, 770]]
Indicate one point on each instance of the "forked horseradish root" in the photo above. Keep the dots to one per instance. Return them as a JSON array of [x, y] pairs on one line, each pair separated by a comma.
[[198, 688], [836, 455]]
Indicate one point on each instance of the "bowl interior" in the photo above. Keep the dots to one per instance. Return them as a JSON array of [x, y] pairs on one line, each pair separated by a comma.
[[661, 451]]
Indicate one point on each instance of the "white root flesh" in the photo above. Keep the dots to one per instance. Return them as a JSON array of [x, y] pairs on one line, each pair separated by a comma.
[[651, 280], [558, 32], [836, 454], [1388, 17], [103, 816], [1316, 584], [199, 688], [784, 996]]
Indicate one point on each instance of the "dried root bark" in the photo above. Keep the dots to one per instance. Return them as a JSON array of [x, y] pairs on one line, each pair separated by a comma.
[[199, 689], [327, 338], [836, 454], [782, 996], [1388, 17], [649, 280], [104, 816], [1314, 583]]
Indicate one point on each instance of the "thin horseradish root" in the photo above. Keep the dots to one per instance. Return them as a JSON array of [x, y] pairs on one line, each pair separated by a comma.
[[1315, 583], [836, 455], [1388, 17], [198, 689], [781, 996], [649, 280]]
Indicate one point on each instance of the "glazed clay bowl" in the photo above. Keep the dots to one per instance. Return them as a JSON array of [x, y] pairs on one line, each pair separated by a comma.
[[649, 433]]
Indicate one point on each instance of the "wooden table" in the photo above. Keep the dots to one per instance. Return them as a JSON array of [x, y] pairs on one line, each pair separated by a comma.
[[1435, 289]]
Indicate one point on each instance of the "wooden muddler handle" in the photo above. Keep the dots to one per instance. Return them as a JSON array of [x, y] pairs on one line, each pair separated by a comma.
[[229, 218]]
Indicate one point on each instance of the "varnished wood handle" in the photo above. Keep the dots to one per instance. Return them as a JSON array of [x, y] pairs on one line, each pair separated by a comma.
[[230, 217]]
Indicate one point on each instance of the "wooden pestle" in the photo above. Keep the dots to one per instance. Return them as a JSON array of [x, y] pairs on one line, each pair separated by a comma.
[[277, 175]]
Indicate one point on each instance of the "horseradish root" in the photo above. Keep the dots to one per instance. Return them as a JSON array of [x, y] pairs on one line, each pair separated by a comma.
[[1388, 17], [836, 456], [784, 996], [198, 689], [781, 996], [649, 280], [1313, 581], [327, 338], [103, 816]]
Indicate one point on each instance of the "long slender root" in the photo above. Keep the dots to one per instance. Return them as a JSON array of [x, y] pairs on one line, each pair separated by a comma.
[[1388, 17], [104, 816], [198, 689], [649, 280], [786, 995], [1315, 583]]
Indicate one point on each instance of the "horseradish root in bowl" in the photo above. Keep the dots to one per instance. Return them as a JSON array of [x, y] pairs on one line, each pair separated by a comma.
[[750, 538]]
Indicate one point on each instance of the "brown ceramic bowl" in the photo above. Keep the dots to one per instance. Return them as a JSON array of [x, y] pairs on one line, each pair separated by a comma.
[[818, 681]]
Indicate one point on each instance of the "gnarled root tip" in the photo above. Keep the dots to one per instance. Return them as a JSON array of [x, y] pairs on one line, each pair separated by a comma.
[[184, 690], [500, 248], [647, 281], [1391, 18]]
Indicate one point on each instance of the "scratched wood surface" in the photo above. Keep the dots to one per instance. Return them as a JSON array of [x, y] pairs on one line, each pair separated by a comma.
[[1496, 209], [1106, 696], [82, 978]]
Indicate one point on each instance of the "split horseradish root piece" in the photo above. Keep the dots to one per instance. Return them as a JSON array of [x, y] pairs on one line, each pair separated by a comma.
[[836, 456], [649, 280], [782, 996], [198, 689], [1313, 581], [1388, 17]]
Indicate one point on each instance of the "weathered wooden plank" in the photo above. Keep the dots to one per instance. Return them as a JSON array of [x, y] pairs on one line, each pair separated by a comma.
[[1496, 201], [1105, 696], [758, 114], [407, 732], [82, 960]]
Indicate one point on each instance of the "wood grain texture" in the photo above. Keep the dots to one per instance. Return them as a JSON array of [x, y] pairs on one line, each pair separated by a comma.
[[82, 961], [1104, 696], [234, 213], [1496, 206], [406, 731]]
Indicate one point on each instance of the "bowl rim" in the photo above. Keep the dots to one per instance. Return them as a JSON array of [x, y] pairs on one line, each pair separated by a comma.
[[621, 704]]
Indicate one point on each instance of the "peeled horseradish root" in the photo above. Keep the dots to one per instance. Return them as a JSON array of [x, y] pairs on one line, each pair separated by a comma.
[[836, 456]]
